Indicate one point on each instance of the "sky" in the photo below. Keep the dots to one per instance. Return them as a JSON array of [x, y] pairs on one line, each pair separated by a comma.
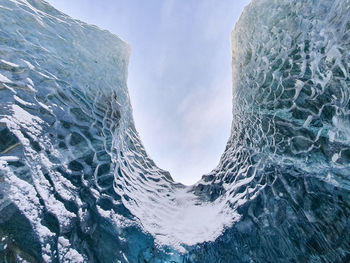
[[179, 79]]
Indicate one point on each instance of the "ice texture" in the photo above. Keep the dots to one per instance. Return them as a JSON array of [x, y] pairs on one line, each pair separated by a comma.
[[76, 184]]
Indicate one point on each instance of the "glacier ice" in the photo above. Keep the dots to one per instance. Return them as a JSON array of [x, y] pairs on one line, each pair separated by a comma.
[[76, 184]]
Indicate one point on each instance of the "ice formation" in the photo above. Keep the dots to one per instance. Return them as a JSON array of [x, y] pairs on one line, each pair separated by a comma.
[[76, 184]]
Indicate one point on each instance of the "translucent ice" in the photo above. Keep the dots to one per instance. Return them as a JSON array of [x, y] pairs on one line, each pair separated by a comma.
[[76, 184]]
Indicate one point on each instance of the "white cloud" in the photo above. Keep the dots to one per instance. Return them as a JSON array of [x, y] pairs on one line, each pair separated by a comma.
[[205, 111]]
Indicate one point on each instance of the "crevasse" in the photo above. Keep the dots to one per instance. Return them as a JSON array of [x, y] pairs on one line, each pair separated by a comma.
[[76, 184]]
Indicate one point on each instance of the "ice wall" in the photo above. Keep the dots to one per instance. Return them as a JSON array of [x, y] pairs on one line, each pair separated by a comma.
[[76, 184]]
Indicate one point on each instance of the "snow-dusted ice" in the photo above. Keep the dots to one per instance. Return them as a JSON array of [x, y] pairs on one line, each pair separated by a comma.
[[76, 184]]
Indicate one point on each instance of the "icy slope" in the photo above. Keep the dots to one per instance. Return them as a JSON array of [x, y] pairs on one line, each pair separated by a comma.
[[70, 154], [76, 184]]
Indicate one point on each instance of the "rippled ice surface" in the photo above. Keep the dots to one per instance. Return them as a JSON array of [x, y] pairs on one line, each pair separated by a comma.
[[76, 184]]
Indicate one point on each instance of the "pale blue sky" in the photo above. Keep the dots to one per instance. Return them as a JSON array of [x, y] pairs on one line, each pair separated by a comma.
[[179, 74]]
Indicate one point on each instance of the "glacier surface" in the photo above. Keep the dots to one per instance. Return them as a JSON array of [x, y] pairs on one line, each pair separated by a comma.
[[76, 184]]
